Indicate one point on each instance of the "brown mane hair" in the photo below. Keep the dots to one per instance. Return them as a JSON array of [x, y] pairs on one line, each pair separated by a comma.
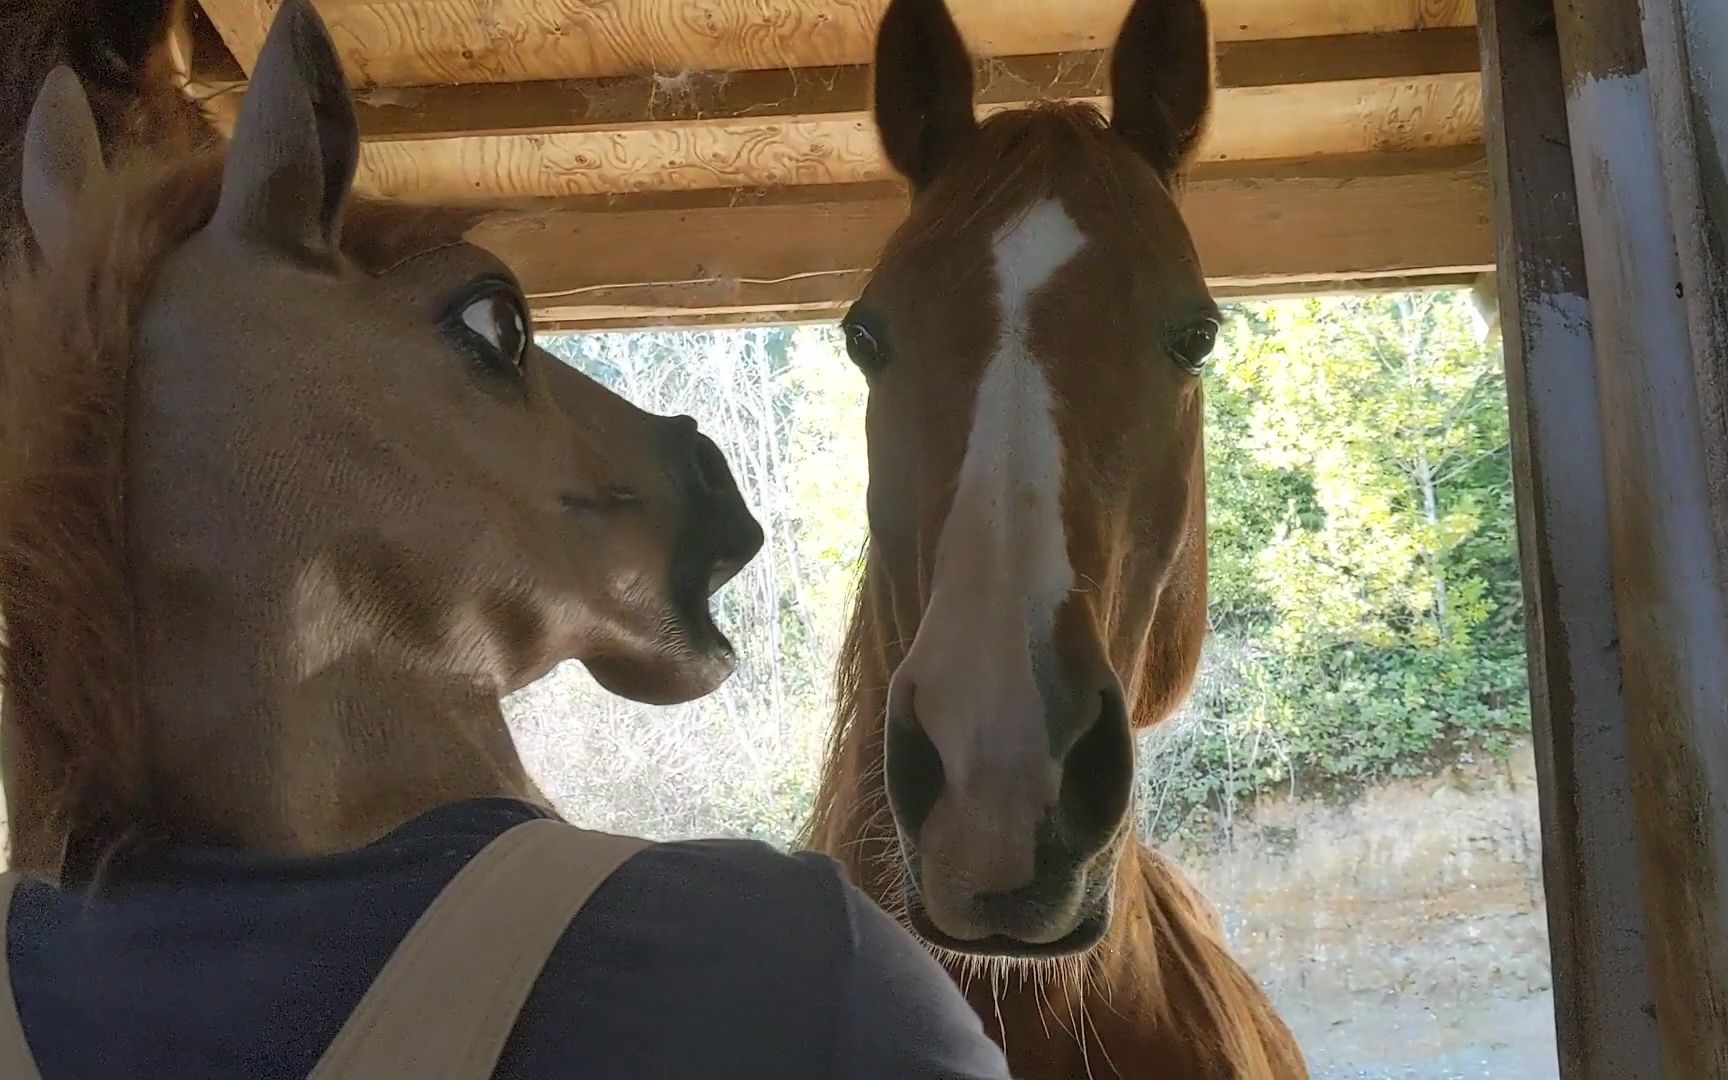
[[119, 49], [76, 778]]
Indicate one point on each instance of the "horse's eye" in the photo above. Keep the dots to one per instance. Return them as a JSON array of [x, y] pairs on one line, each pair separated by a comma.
[[862, 347], [498, 320], [1192, 344]]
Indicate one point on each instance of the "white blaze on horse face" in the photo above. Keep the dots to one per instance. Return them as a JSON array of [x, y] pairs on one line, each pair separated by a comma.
[[1001, 573]]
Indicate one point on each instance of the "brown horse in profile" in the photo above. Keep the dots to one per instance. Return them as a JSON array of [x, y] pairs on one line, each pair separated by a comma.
[[1035, 585], [288, 496]]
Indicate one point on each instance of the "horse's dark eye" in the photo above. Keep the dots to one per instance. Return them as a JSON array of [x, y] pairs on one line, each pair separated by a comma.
[[1193, 344], [497, 319], [862, 347]]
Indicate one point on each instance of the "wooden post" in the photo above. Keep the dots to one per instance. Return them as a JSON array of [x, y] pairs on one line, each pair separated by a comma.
[[1687, 44], [1658, 344], [1602, 991]]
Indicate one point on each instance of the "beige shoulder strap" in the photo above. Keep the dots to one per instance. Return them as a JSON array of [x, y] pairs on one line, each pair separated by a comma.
[[445, 1003], [15, 1060]]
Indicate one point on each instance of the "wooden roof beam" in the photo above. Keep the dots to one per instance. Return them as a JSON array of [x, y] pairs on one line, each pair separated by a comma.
[[1269, 228], [592, 320], [431, 112], [1278, 98], [391, 43], [624, 102]]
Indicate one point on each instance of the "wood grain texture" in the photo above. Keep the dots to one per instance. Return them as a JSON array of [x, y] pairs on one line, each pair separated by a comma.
[[554, 105], [421, 42], [1603, 996], [241, 25], [1670, 582], [814, 311], [1262, 228], [1317, 119]]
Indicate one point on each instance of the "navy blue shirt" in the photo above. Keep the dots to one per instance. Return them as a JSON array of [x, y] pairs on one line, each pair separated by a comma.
[[710, 959]]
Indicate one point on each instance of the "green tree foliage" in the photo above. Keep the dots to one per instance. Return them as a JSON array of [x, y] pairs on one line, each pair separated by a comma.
[[1365, 599]]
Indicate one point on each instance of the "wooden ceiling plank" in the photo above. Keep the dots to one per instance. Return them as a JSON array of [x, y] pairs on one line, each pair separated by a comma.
[[540, 107], [421, 42], [1315, 119], [634, 101], [1295, 224], [624, 318], [242, 25]]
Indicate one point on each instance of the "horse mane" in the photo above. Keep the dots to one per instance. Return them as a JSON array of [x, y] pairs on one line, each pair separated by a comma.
[[1227, 1023], [840, 786], [119, 50], [70, 679], [77, 776]]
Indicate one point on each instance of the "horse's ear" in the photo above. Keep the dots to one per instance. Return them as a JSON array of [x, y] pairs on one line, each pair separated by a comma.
[[923, 89], [1161, 80], [295, 144], [62, 155]]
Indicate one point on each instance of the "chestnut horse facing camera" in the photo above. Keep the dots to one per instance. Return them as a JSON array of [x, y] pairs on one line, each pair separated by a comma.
[[1035, 586], [289, 497]]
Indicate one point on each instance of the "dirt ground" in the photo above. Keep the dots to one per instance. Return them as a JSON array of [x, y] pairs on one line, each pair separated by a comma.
[[1403, 935], [1505, 1039]]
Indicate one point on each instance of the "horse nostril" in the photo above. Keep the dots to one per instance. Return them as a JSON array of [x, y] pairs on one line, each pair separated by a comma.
[[912, 765], [1098, 775]]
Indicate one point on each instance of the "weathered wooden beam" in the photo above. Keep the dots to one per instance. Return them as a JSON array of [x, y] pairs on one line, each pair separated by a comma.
[[429, 42], [1310, 119], [1258, 226], [622, 102], [1603, 998], [1277, 98], [588, 320], [1659, 348]]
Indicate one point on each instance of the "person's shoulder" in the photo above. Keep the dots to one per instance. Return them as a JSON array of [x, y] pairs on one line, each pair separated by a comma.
[[719, 902], [693, 953], [734, 872]]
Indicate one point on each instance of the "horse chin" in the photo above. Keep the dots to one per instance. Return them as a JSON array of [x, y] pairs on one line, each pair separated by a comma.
[[1020, 930], [1082, 938], [690, 662]]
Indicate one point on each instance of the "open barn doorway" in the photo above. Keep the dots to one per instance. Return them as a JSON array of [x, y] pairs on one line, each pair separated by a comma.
[[1352, 782]]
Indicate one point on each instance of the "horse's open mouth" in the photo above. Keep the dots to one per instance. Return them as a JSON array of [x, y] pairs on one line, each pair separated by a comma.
[[703, 633], [690, 659]]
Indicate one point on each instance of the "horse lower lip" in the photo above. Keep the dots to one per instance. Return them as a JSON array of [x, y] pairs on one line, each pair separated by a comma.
[[704, 633], [1078, 940]]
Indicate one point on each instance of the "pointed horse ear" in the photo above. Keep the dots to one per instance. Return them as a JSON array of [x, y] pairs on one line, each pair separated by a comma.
[[923, 96], [1161, 80], [291, 162], [62, 156]]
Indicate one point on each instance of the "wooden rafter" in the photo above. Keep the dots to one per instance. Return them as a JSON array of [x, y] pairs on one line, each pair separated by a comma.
[[1278, 98], [624, 102], [670, 258], [430, 42]]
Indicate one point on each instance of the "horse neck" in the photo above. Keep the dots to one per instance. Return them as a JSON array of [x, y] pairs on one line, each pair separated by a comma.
[[253, 741]]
